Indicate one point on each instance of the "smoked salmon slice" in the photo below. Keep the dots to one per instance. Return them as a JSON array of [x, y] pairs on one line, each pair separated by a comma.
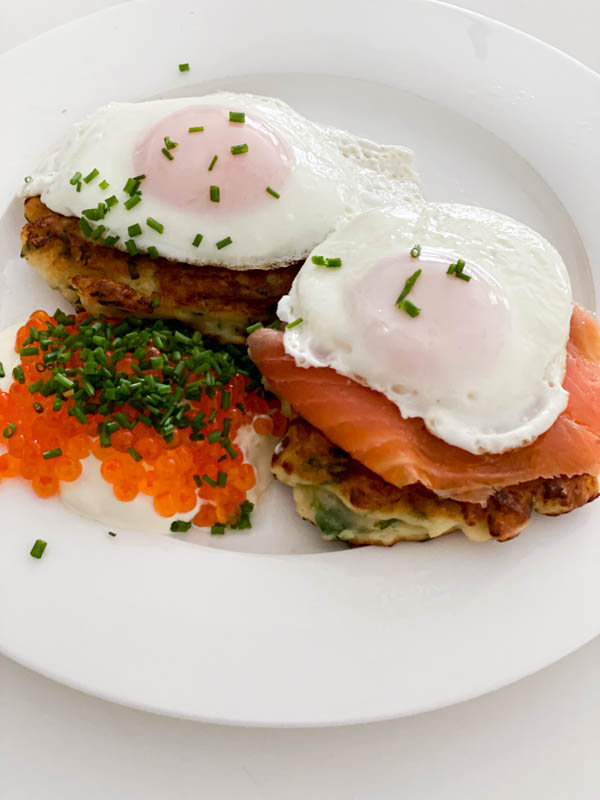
[[371, 429]]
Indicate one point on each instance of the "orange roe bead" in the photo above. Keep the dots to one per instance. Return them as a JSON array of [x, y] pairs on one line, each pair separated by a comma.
[[122, 440], [45, 485], [9, 466], [165, 504], [206, 516], [263, 425], [126, 490]]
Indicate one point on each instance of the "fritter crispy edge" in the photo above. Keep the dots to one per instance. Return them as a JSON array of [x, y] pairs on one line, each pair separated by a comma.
[[213, 299], [323, 476]]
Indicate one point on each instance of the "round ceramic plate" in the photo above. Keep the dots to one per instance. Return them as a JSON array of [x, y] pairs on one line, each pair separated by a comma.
[[274, 627]]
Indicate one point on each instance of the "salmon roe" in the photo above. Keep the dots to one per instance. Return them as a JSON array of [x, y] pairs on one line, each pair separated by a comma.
[[48, 429]]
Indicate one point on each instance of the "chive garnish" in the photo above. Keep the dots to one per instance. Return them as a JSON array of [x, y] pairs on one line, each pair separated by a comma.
[[237, 116], [131, 247], [408, 285], [217, 529], [207, 479], [111, 201], [197, 239], [2, 372], [273, 193], [104, 184], [457, 270], [9, 431], [462, 276], [111, 533], [37, 551], [416, 251], [91, 175], [184, 68], [321, 261], [134, 454], [28, 178], [155, 225], [75, 179], [152, 251], [166, 153], [255, 327], [134, 230], [222, 479], [155, 302], [180, 526], [38, 408], [133, 201], [196, 129], [212, 163], [224, 242], [54, 453], [169, 143], [110, 241], [78, 186], [238, 149], [215, 194], [411, 310], [85, 227], [225, 399], [294, 323]]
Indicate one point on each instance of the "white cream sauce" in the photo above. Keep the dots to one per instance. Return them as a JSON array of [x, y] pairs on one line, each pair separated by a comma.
[[92, 497]]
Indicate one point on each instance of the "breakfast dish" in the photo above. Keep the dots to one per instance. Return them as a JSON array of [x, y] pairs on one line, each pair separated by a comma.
[[434, 372], [206, 204], [441, 353]]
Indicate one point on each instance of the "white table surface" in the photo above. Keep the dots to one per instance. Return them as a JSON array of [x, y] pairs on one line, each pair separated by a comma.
[[535, 739]]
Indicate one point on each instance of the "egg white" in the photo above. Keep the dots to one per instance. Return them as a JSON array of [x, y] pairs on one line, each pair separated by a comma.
[[507, 400], [336, 176]]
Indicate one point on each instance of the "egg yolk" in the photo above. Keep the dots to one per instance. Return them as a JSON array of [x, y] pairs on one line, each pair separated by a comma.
[[241, 159], [458, 333]]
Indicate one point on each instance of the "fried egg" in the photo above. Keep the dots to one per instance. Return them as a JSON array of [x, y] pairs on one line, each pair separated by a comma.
[[228, 179], [457, 314]]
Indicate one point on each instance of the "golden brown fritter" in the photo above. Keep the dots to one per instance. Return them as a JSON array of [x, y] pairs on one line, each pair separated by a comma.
[[334, 490], [213, 299]]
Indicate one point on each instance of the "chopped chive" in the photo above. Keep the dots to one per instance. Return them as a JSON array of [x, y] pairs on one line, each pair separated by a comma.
[[28, 178], [224, 242], [111, 201], [411, 310], [104, 184], [184, 68], [134, 454], [85, 227], [196, 129], [97, 232], [198, 480], [213, 437], [78, 186], [18, 374], [319, 261], [273, 193], [9, 431], [462, 276], [238, 149], [29, 351], [217, 529], [212, 163], [152, 251], [166, 153], [237, 116], [35, 387], [37, 551], [225, 400], [416, 251], [180, 526], [131, 186], [460, 264], [133, 201], [2, 372], [408, 285], [131, 247], [451, 269], [222, 479], [57, 404], [215, 194], [209, 480], [169, 143], [226, 445], [155, 302], [255, 327], [276, 325], [110, 241], [155, 225], [75, 179], [111, 533], [91, 175], [54, 453], [38, 408], [333, 262], [197, 239], [134, 230], [294, 323]]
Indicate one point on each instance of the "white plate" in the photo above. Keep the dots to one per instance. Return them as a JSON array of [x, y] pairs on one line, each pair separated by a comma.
[[496, 118]]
